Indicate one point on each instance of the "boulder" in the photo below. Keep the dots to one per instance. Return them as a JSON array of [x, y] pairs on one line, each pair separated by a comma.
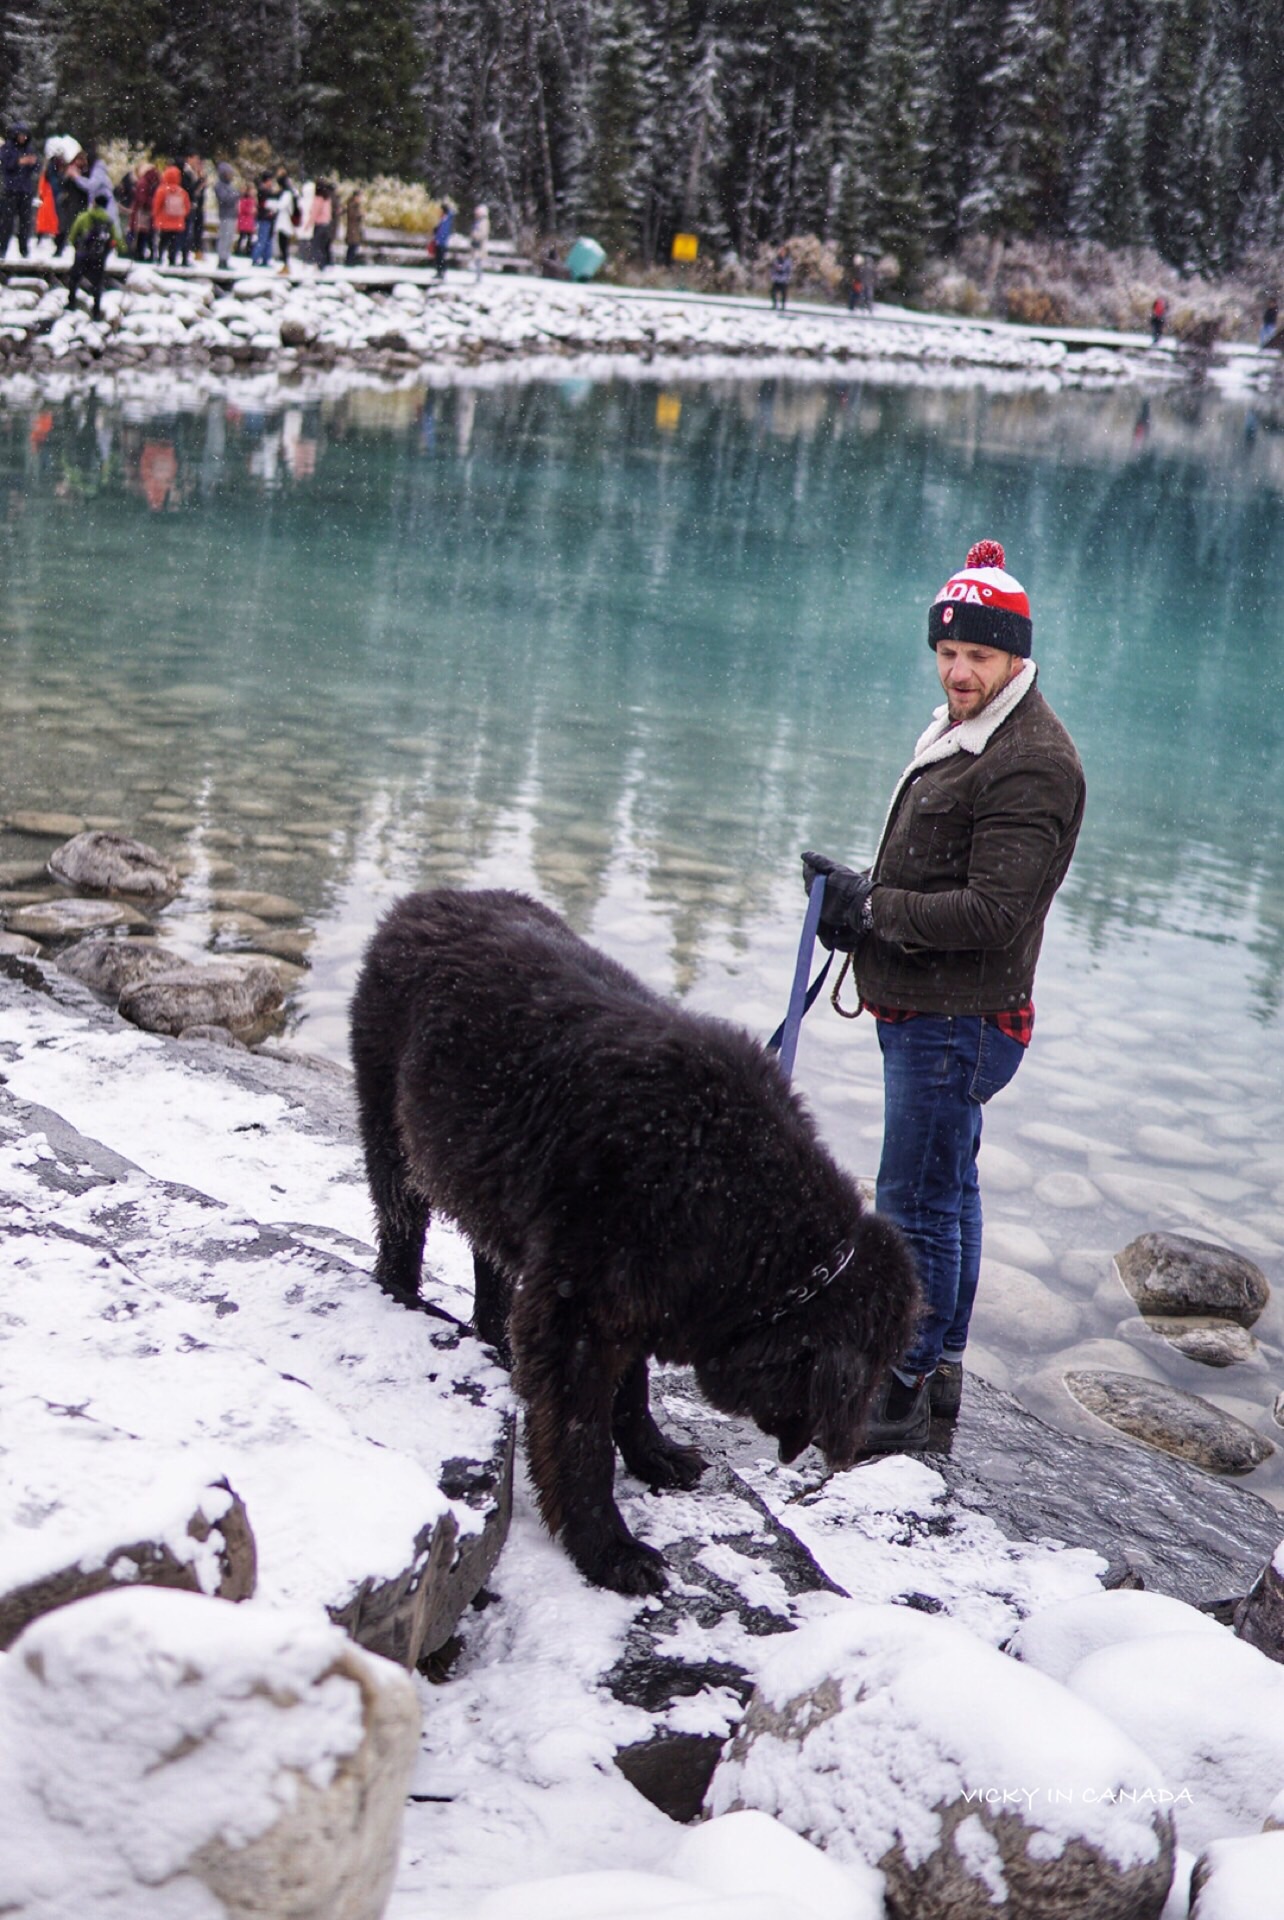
[[246, 999], [155, 1744], [21, 873], [1259, 1617], [1173, 1421], [18, 944], [214, 1554], [108, 965], [897, 1739], [99, 862], [1240, 1879], [1170, 1274], [1056, 1638], [1209, 1711], [58, 922]]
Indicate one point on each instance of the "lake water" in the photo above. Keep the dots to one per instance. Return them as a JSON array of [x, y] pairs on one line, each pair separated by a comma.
[[632, 646]]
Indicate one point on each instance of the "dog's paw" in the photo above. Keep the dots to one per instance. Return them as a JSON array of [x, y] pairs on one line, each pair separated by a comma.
[[626, 1566], [672, 1466]]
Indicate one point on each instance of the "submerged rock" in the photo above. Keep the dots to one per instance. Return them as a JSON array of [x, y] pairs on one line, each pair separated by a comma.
[[1173, 1421], [246, 999], [46, 826], [54, 922], [1213, 1343], [113, 863], [1171, 1274], [265, 906]]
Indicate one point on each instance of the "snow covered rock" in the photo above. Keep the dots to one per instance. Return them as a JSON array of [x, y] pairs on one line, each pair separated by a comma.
[[167, 1532], [1171, 1273], [747, 1853], [1259, 1619], [897, 1739], [1056, 1639], [1167, 1417], [1209, 1709], [1240, 1880], [246, 999], [102, 862], [162, 1754]]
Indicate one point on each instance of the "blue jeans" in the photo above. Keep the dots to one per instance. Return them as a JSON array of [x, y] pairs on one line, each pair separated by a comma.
[[938, 1072], [262, 253]]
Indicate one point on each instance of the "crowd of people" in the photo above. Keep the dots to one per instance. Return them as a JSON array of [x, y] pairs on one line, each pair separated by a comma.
[[159, 212]]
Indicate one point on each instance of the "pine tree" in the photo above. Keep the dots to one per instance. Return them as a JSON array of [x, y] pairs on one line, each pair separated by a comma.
[[1108, 203], [361, 70], [1019, 183], [108, 68], [882, 207], [618, 107]]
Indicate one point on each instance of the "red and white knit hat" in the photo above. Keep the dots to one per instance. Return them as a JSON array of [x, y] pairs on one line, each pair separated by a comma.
[[983, 606]]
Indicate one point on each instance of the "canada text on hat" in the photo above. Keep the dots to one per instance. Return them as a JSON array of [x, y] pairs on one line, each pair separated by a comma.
[[983, 605]]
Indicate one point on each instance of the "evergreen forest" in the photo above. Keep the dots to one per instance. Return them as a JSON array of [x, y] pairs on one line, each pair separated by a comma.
[[905, 126]]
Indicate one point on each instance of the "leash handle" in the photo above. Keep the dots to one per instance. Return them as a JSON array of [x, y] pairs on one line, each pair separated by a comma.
[[785, 1038]]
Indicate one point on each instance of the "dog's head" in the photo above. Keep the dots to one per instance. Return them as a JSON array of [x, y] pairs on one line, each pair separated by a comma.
[[805, 1369]]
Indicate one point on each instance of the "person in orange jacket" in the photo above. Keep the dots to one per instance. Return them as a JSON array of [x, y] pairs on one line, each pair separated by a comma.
[[170, 209]]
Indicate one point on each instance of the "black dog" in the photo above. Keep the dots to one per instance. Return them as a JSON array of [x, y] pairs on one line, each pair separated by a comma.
[[634, 1180]]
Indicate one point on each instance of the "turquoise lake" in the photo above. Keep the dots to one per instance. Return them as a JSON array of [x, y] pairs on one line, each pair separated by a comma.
[[631, 646]]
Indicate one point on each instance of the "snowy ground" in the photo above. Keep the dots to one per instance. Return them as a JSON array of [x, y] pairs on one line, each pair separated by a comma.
[[402, 324], [516, 1782]]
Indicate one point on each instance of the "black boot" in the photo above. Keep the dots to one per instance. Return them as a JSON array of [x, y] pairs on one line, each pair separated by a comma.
[[945, 1389], [901, 1418]]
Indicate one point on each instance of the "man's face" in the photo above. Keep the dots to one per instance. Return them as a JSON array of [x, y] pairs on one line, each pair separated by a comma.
[[972, 676]]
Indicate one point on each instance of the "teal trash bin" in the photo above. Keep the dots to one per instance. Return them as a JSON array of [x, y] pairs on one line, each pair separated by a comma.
[[584, 258]]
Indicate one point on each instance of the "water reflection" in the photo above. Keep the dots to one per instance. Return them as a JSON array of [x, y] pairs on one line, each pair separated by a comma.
[[632, 645]]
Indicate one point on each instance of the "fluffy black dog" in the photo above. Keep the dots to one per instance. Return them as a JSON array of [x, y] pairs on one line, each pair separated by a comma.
[[634, 1179]]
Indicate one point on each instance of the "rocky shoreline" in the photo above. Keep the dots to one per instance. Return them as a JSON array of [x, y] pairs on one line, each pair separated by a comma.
[[314, 324]]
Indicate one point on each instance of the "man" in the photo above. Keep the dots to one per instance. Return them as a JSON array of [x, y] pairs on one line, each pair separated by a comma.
[[93, 238], [19, 173], [944, 931]]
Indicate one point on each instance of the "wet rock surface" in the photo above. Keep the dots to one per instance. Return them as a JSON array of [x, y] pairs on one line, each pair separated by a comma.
[[108, 966], [1259, 1618], [55, 922], [246, 999], [1171, 1274], [1210, 1342], [1173, 1421], [1156, 1521]]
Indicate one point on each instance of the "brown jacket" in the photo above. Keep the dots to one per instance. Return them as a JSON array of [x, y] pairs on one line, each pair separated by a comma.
[[978, 839]]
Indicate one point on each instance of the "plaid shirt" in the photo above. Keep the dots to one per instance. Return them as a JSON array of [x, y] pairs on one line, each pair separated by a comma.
[[1016, 1022]]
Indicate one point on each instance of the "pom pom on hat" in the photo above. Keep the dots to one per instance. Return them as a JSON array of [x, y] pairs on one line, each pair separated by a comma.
[[983, 605]]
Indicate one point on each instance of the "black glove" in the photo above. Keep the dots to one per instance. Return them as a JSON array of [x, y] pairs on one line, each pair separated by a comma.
[[845, 916]]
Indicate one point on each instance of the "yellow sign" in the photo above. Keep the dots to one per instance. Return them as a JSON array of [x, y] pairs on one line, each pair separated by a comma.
[[685, 246], [668, 411]]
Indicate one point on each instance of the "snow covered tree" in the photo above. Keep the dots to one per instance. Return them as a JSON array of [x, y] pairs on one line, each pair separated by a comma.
[[1019, 182], [360, 112], [620, 108], [107, 67], [1108, 203], [882, 207]]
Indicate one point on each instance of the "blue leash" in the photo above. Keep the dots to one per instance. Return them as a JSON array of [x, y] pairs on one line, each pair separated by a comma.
[[785, 1039]]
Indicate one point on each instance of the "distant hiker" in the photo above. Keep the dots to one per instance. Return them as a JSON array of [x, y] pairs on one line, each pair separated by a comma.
[[227, 198], [140, 214], [91, 176], [303, 226], [286, 218], [47, 224], [19, 174], [72, 194], [1270, 323], [322, 224], [441, 239], [171, 208], [264, 220], [782, 272], [1158, 318], [354, 228], [246, 220], [479, 239], [194, 183], [92, 237]]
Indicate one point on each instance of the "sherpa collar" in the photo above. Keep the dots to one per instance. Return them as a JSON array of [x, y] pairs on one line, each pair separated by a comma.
[[939, 740]]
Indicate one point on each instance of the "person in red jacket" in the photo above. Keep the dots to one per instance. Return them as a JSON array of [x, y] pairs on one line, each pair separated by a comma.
[[170, 209]]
